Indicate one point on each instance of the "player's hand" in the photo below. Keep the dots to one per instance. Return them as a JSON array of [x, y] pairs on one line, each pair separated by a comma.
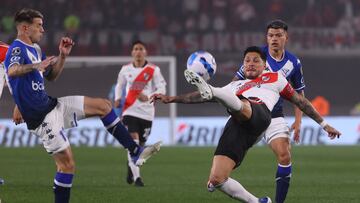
[[43, 65], [295, 127], [163, 98], [332, 132], [17, 117], [65, 46], [143, 98]]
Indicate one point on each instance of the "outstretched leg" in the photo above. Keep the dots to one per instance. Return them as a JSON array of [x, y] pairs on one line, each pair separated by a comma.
[[103, 108]]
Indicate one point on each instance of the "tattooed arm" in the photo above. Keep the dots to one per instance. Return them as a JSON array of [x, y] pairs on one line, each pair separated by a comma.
[[189, 98], [305, 106]]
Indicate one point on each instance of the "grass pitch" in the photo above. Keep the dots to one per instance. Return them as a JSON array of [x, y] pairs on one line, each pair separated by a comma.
[[179, 174]]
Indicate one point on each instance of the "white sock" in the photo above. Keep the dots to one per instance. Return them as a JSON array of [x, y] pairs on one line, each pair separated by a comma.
[[134, 169], [235, 190], [227, 98]]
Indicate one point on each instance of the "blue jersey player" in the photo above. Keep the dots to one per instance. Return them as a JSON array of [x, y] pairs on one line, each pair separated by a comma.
[[277, 134], [26, 67]]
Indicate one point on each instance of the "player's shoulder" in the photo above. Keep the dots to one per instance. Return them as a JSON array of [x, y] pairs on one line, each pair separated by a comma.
[[292, 57], [152, 65], [127, 66]]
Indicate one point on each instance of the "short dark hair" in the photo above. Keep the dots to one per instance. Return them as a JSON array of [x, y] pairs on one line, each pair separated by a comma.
[[257, 50], [137, 42], [277, 24], [27, 15]]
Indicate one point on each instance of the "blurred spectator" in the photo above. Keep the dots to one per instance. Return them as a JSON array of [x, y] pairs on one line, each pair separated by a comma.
[[71, 23], [7, 23]]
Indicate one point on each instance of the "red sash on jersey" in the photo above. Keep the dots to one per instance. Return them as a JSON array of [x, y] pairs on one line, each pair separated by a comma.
[[138, 85], [3, 49]]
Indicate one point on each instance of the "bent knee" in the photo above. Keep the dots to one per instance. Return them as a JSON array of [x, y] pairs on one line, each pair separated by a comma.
[[104, 106], [67, 167], [284, 157]]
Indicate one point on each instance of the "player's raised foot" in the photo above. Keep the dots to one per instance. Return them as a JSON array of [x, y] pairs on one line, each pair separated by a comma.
[[129, 176], [195, 79], [265, 200], [139, 182], [145, 153]]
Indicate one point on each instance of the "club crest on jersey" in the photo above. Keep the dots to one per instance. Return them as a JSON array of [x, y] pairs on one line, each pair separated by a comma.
[[265, 78], [146, 76], [16, 51]]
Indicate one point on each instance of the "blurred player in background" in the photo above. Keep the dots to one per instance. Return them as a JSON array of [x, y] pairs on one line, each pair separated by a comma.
[[3, 49], [277, 135], [26, 66], [249, 103], [141, 79]]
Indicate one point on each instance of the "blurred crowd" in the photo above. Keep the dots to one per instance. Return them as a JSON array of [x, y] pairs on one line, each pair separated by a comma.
[[107, 27]]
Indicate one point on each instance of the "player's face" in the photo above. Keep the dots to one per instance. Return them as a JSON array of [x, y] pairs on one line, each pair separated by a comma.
[[138, 52], [276, 38], [253, 65], [35, 30]]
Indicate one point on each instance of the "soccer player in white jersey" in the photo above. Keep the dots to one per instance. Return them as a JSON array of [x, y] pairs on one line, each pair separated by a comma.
[[3, 49], [277, 135], [141, 79], [249, 103], [26, 66]]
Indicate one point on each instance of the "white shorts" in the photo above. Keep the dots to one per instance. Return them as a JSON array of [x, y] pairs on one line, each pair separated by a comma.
[[65, 115], [2, 79], [277, 128]]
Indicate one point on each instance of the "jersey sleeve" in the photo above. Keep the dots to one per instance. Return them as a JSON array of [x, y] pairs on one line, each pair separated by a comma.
[[240, 73], [15, 55], [285, 89], [120, 84], [159, 82], [297, 79]]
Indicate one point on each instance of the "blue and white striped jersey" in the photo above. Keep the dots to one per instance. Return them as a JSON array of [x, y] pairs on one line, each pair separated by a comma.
[[28, 90]]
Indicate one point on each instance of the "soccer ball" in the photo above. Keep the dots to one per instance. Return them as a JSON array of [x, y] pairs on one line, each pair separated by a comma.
[[202, 63]]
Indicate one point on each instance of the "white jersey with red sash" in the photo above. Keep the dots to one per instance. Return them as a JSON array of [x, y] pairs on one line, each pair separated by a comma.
[[3, 49], [146, 80], [267, 88]]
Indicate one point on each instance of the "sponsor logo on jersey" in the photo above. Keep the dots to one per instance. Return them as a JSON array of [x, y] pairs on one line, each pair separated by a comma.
[[37, 86], [14, 59]]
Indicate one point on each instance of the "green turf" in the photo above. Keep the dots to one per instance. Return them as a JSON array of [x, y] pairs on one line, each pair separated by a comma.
[[320, 174]]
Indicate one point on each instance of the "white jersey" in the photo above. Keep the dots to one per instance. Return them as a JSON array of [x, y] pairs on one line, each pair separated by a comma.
[[157, 84], [267, 88], [2, 78]]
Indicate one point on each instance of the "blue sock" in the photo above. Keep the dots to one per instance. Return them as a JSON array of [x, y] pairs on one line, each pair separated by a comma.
[[114, 126], [62, 187], [283, 176]]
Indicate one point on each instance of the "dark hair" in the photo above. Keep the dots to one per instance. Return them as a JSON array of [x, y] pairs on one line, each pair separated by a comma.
[[277, 24], [137, 42], [257, 50], [27, 15]]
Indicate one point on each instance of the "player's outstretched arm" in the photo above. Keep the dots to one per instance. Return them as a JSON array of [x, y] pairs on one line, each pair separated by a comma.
[[65, 47], [189, 98], [306, 106], [17, 70]]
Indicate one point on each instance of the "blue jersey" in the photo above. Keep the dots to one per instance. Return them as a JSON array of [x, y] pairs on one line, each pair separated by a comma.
[[28, 90], [290, 67]]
